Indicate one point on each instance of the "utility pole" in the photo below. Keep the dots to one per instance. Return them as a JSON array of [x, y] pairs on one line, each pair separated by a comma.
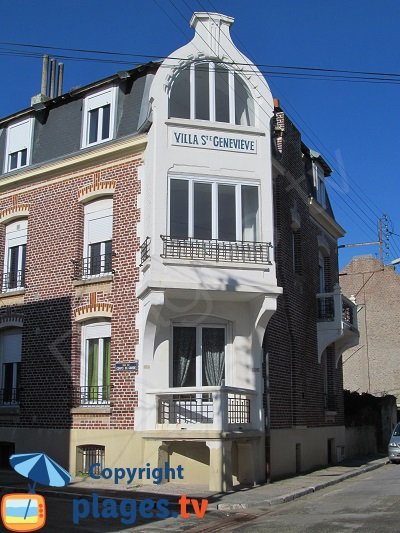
[[383, 239]]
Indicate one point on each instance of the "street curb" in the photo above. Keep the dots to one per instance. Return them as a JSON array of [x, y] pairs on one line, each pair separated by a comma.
[[290, 496]]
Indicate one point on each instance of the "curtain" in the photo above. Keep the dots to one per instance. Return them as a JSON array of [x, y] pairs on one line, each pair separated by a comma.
[[184, 356], [106, 369], [213, 341], [93, 369]]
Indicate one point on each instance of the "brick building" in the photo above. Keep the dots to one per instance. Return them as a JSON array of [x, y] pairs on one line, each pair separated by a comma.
[[373, 366], [170, 275]]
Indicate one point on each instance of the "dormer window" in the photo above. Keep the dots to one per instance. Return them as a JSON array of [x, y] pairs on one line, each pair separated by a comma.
[[98, 119], [319, 184], [210, 91], [19, 139]]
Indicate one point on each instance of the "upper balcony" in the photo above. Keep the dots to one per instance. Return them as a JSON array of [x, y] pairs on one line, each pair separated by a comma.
[[337, 321]]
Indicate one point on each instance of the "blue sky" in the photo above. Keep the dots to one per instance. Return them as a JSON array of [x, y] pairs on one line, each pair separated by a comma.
[[354, 125]]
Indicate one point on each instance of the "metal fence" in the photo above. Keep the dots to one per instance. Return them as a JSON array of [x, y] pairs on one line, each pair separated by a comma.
[[91, 395], [13, 280], [95, 266]]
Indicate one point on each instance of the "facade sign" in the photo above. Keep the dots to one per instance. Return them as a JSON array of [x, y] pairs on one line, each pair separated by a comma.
[[213, 141]]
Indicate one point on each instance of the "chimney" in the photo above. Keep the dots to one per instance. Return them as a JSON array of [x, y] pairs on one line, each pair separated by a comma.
[[50, 87]]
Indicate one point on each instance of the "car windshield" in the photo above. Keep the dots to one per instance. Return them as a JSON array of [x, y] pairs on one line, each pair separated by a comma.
[[396, 432]]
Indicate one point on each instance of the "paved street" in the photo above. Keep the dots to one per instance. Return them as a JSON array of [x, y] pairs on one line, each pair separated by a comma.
[[368, 503]]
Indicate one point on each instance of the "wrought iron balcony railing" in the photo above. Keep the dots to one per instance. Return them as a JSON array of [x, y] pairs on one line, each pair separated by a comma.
[[91, 395], [326, 307], [9, 396], [95, 266], [333, 306], [145, 251], [215, 250], [13, 280]]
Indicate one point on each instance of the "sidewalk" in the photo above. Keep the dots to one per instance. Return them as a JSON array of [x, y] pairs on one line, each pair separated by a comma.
[[243, 498]]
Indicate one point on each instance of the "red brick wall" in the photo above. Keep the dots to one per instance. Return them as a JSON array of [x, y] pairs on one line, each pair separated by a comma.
[[51, 349]]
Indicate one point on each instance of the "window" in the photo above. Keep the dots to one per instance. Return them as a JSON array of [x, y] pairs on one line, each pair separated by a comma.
[[319, 184], [19, 138], [210, 91], [198, 356], [10, 360], [296, 248], [98, 121], [15, 255], [89, 455], [96, 363], [209, 210], [325, 275], [97, 254]]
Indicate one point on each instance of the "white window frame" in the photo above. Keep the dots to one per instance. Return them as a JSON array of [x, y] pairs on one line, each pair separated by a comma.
[[319, 184], [23, 142], [97, 101], [15, 359], [93, 211], [199, 350], [99, 331], [15, 236], [214, 205], [212, 108]]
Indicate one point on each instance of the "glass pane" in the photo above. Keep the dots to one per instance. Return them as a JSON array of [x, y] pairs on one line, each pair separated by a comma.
[[106, 369], [202, 211], [249, 213], [179, 100], [93, 125], [108, 256], [95, 258], [221, 94], [23, 262], [24, 154], [13, 267], [213, 356], [179, 209], [184, 357], [93, 369], [226, 213], [244, 104], [13, 160], [105, 127], [202, 92]]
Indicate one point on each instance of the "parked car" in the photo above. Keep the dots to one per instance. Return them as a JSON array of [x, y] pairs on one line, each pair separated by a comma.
[[394, 445]]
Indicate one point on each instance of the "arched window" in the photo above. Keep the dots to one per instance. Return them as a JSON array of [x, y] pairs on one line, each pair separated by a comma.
[[210, 91]]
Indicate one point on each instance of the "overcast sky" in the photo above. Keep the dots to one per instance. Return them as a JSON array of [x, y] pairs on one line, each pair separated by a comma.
[[353, 124]]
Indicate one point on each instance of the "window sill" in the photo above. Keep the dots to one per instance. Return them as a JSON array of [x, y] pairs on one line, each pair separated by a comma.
[[208, 125], [12, 292], [91, 410], [93, 279]]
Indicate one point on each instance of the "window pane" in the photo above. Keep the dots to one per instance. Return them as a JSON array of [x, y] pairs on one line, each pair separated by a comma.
[[213, 352], [93, 368], [202, 211], [13, 160], [23, 263], [221, 94], [184, 357], [108, 256], [24, 154], [249, 213], [202, 92], [179, 100], [106, 369], [93, 125], [13, 267], [179, 209], [105, 127], [226, 213], [244, 104], [95, 258]]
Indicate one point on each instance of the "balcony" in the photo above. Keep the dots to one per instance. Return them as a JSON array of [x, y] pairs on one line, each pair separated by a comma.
[[9, 397], [215, 250], [91, 396], [205, 408], [13, 280], [337, 321], [93, 267]]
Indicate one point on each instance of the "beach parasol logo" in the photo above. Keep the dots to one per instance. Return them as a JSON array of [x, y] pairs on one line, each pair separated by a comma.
[[27, 512]]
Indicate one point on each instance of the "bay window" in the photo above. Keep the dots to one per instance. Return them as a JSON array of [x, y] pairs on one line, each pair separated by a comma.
[[198, 355], [209, 210]]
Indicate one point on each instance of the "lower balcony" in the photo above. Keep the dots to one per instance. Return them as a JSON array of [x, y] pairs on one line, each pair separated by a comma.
[[205, 408], [13, 280], [9, 397], [337, 321], [90, 396]]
